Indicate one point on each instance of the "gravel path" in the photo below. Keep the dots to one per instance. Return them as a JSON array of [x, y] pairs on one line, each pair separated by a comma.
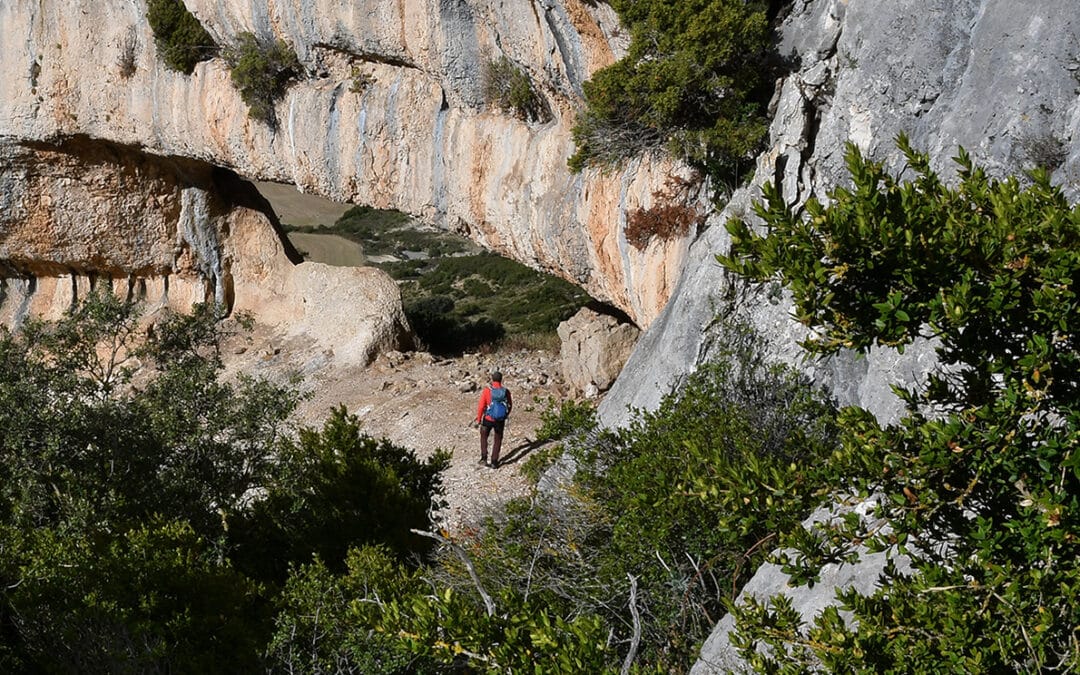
[[422, 403]]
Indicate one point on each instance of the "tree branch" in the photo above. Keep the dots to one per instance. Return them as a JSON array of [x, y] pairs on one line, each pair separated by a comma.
[[635, 641], [489, 604]]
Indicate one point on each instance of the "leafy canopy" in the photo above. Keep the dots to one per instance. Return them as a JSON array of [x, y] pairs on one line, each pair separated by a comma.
[[694, 80], [150, 509], [980, 483]]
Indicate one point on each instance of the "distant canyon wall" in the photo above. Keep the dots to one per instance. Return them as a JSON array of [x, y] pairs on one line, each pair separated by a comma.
[[419, 137]]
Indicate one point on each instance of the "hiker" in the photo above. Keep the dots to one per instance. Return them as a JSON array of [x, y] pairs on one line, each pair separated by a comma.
[[491, 415]]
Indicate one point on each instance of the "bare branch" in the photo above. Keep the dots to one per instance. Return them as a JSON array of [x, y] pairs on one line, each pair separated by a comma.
[[489, 604], [635, 641]]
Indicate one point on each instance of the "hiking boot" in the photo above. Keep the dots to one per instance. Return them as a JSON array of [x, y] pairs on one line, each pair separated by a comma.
[[483, 460], [493, 464]]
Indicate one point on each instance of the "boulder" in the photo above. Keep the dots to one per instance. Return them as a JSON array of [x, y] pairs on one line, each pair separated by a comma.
[[718, 655], [594, 349]]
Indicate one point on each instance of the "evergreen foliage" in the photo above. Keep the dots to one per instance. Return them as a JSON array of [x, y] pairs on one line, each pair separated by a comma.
[[262, 72], [181, 39], [695, 81], [980, 484], [440, 331], [464, 302], [663, 517], [130, 483], [510, 89]]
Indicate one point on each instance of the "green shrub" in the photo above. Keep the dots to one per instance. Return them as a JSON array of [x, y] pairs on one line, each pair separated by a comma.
[[560, 420], [327, 622], [984, 494], [361, 81], [685, 502], [339, 488], [696, 81], [539, 461], [149, 509], [695, 489], [523, 300], [508, 88], [262, 72], [181, 40], [381, 617]]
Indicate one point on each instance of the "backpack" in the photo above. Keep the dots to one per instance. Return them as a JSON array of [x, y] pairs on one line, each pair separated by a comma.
[[496, 410]]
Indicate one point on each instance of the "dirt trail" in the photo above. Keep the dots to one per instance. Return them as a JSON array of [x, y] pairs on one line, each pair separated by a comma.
[[422, 403]]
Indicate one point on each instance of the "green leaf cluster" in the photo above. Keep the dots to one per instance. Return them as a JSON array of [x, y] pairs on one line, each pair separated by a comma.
[[181, 39], [262, 72], [979, 484], [695, 81]]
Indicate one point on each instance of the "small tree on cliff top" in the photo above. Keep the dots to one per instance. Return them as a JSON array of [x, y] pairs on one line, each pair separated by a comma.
[[695, 80]]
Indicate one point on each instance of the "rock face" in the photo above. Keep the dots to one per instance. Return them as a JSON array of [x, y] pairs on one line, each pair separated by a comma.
[[170, 233], [594, 349], [418, 136], [998, 78], [717, 655]]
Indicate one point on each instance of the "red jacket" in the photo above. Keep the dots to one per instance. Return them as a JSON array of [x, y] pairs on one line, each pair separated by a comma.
[[485, 401]]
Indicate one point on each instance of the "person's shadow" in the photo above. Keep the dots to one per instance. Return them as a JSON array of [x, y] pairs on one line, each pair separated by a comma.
[[519, 452]]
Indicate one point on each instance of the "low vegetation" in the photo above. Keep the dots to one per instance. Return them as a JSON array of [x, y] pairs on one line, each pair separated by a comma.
[[633, 564], [456, 297], [386, 232], [181, 40], [150, 511], [508, 88], [521, 299]]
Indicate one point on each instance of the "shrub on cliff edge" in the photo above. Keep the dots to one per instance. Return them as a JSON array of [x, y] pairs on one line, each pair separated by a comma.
[[181, 40], [695, 81], [261, 72]]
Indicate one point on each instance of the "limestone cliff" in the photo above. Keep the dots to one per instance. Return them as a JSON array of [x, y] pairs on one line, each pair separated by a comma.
[[113, 167], [171, 232], [418, 137], [998, 78]]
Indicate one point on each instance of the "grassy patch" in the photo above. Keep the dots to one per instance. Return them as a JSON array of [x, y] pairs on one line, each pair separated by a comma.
[[523, 300], [390, 232]]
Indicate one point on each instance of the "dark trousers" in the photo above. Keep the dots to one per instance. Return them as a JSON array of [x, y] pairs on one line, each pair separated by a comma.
[[496, 444]]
